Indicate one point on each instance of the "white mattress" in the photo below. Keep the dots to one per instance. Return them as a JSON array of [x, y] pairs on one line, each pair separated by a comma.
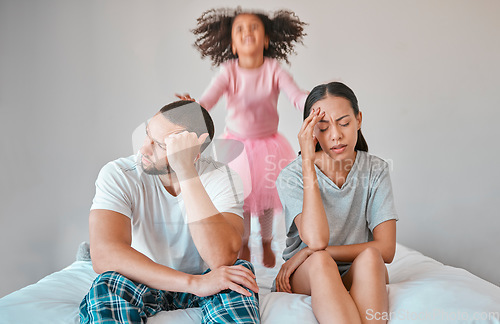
[[422, 290]]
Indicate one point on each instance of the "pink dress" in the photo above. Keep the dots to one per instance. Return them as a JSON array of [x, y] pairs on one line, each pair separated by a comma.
[[252, 118]]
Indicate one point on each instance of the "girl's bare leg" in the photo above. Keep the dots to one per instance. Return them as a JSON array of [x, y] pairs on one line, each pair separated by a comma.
[[319, 277], [266, 231], [366, 281]]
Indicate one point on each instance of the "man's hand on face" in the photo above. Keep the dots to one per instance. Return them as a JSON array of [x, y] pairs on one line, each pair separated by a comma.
[[235, 278], [182, 151]]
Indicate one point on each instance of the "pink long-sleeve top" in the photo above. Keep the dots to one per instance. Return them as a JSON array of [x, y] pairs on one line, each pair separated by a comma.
[[252, 97]]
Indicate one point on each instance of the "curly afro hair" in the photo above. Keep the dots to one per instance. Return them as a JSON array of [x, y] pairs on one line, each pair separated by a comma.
[[213, 32]]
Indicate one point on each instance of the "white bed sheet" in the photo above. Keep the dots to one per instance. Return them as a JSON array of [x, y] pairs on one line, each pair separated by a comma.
[[422, 290]]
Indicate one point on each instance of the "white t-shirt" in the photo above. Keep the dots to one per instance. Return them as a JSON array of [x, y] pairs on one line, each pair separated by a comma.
[[158, 219]]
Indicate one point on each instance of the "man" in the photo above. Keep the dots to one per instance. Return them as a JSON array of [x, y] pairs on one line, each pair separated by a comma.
[[159, 219]]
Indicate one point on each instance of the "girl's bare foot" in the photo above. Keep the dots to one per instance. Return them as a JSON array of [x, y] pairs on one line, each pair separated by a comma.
[[269, 259]]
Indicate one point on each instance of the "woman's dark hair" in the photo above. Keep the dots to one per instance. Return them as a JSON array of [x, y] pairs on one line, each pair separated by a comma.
[[192, 116], [214, 33], [335, 89]]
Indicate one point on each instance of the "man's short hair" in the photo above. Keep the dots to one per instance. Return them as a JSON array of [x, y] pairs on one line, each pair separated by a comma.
[[192, 116]]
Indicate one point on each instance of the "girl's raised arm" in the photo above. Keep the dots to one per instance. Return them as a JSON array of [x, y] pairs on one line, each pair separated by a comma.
[[215, 90], [296, 95]]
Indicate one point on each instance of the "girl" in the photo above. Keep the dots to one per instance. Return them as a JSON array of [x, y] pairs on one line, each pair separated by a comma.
[[249, 45], [339, 213]]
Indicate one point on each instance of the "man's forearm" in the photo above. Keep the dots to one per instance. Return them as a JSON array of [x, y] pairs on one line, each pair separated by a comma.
[[137, 267], [217, 240]]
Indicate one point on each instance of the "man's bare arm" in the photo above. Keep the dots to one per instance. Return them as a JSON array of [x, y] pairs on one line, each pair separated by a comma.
[[110, 246], [217, 236]]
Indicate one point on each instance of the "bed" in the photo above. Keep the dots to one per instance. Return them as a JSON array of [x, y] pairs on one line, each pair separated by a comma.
[[421, 290]]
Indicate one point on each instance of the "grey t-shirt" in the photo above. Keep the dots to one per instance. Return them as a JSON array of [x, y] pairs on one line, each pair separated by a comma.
[[353, 211]]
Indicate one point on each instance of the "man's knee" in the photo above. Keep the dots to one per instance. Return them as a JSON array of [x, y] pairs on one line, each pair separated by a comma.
[[110, 281], [246, 264], [108, 276], [102, 286]]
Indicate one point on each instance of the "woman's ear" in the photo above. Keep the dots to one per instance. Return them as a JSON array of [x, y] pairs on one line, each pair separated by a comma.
[[359, 118], [266, 42], [233, 49]]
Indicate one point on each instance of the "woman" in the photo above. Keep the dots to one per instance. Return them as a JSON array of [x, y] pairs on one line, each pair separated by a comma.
[[339, 210]]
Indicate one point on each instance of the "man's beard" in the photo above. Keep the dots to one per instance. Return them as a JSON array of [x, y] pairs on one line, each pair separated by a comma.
[[153, 170]]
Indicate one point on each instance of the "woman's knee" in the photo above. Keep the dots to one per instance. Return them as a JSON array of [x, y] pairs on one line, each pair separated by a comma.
[[319, 268], [370, 258], [321, 261]]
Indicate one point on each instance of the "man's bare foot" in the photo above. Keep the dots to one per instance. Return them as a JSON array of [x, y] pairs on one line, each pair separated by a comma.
[[245, 252], [269, 259]]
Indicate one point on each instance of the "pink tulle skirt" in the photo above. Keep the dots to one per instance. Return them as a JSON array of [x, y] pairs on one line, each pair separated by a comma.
[[259, 165]]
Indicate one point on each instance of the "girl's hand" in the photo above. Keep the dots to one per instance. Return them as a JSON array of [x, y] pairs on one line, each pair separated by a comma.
[[307, 139], [288, 268], [185, 96]]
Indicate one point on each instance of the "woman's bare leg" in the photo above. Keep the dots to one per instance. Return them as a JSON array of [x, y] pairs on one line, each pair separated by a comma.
[[319, 277], [366, 281]]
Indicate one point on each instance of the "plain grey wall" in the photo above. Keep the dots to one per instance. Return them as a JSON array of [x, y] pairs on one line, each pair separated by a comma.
[[77, 77]]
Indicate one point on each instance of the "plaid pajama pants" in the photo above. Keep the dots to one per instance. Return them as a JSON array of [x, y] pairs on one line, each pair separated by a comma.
[[115, 299]]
